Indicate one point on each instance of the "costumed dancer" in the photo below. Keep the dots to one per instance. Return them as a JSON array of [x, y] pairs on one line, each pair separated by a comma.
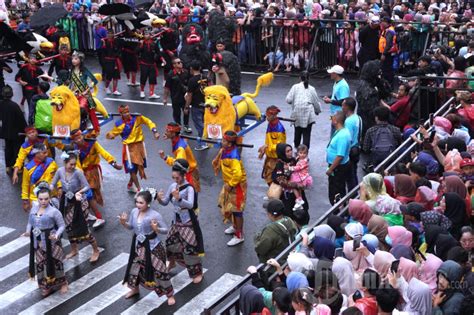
[[184, 244], [234, 192], [25, 154], [129, 45], [275, 134], [129, 127], [74, 205], [147, 261], [89, 154], [148, 70], [181, 150], [39, 169], [45, 226], [27, 76], [82, 84], [111, 62], [61, 62]]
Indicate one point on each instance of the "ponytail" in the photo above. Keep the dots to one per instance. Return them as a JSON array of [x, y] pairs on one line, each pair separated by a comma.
[[305, 78]]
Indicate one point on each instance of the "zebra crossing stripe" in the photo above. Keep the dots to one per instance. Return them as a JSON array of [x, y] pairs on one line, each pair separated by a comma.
[[5, 231], [19, 264], [14, 245], [209, 295], [78, 286], [29, 286], [151, 300], [103, 300]]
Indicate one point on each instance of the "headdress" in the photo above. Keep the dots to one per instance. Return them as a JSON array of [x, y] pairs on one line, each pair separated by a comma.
[[79, 55], [180, 165], [67, 154], [173, 127], [30, 128], [123, 109], [152, 192], [38, 147], [272, 110], [230, 136], [76, 134], [40, 186]]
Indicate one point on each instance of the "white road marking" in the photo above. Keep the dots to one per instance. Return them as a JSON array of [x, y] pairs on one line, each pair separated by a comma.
[[103, 300], [19, 264], [14, 245], [78, 286], [124, 100], [209, 295], [5, 231], [29, 286], [151, 300]]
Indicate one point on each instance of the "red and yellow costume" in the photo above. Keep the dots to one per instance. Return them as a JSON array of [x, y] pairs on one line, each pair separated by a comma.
[[134, 152], [233, 175], [35, 172], [275, 134], [24, 155]]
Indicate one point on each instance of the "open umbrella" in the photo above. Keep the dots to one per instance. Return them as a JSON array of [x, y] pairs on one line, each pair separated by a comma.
[[48, 15], [145, 4], [114, 9]]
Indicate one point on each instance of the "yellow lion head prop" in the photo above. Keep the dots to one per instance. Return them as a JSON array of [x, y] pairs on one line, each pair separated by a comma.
[[66, 109], [219, 109]]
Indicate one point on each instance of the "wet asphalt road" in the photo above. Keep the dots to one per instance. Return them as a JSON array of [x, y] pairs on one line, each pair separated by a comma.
[[115, 239]]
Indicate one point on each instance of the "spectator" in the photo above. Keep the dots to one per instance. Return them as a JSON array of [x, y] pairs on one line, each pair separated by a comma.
[[340, 91], [448, 298], [353, 123], [387, 300], [277, 235], [305, 106], [381, 139], [337, 157], [401, 109], [370, 284], [387, 47], [369, 40]]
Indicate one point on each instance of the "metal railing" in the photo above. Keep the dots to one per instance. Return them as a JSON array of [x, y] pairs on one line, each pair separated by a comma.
[[340, 208]]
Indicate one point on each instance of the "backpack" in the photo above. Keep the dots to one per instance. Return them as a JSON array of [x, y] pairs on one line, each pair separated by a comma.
[[44, 116], [383, 144]]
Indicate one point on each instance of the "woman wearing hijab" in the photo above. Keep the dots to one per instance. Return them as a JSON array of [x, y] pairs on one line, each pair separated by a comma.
[[382, 262], [296, 280], [433, 217], [335, 222], [448, 299], [379, 227], [426, 197], [428, 271], [371, 240], [354, 230], [299, 262], [432, 232], [371, 187], [456, 185], [358, 258], [408, 269], [323, 248], [404, 251], [399, 235], [455, 211], [360, 212], [281, 176], [251, 301], [405, 188], [419, 298], [324, 230], [344, 272], [443, 244]]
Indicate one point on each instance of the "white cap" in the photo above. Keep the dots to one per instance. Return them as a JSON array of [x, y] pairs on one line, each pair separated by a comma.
[[337, 69], [375, 19]]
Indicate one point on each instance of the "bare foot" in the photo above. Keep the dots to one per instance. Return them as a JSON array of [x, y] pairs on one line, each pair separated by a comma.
[[64, 288], [171, 300], [132, 292], [171, 265], [94, 257], [71, 254], [197, 279]]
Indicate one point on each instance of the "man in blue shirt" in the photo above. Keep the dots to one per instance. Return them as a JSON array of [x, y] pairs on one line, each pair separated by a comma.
[[24, 26], [337, 157], [353, 123], [340, 91]]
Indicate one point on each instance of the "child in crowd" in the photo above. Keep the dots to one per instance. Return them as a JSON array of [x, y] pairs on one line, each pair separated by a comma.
[[300, 175], [275, 59]]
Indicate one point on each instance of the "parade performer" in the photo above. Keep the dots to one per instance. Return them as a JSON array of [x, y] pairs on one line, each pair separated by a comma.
[[184, 244], [129, 45], [82, 84], [61, 62], [25, 154], [168, 41], [193, 46], [181, 150], [134, 153], [27, 76], [147, 261], [40, 169], [111, 62], [89, 154], [275, 134], [45, 226], [148, 70], [225, 70], [234, 192], [74, 205]]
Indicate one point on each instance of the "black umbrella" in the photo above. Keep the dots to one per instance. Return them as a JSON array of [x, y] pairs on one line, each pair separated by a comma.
[[48, 15], [146, 4], [114, 9]]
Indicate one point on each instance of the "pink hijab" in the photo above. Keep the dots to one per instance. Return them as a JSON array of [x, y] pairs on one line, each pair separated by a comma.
[[428, 271], [400, 236], [356, 258], [408, 269], [382, 262], [360, 211], [316, 10]]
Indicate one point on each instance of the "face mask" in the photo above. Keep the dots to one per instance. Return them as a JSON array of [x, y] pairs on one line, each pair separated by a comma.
[[388, 240]]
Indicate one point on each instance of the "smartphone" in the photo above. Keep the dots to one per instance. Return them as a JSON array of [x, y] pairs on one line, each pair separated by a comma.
[[356, 243], [394, 266], [432, 135], [338, 252], [431, 119]]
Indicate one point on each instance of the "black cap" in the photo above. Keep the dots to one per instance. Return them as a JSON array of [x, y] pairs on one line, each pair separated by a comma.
[[275, 207], [386, 19]]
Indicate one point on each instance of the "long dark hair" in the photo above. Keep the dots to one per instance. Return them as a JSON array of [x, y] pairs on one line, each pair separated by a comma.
[[305, 78]]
